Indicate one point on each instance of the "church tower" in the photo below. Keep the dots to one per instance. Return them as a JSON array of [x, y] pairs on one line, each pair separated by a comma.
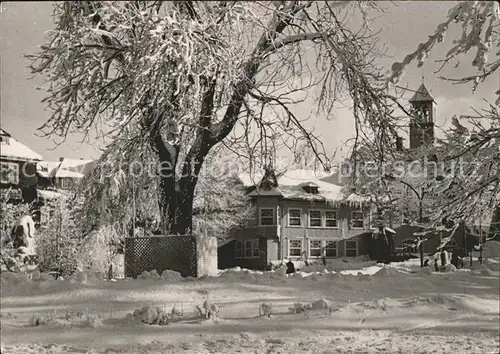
[[422, 119]]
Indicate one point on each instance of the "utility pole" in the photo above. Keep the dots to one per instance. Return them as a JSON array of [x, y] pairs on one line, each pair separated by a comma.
[[133, 207], [480, 240], [421, 220]]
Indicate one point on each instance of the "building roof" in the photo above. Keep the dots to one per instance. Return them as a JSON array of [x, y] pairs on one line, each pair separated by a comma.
[[291, 177], [291, 183], [48, 195], [12, 149], [422, 95], [65, 168]]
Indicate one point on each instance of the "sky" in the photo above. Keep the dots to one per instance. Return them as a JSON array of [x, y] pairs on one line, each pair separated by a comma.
[[403, 26]]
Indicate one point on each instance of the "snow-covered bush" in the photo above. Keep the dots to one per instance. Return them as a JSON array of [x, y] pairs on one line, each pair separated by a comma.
[[150, 315], [56, 252], [57, 239], [10, 258], [9, 213], [42, 319], [321, 305], [97, 250], [265, 309]]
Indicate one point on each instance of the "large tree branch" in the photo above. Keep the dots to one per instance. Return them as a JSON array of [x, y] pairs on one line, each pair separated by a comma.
[[296, 38], [241, 89], [203, 141]]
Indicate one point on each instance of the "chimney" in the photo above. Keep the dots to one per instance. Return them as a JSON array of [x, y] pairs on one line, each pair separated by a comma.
[[61, 159], [399, 143]]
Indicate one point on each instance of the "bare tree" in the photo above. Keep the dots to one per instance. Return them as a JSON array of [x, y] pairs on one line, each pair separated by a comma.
[[183, 77]]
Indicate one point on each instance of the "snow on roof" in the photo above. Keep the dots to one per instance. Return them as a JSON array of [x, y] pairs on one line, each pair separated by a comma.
[[69, 164], [68, 174], [289, 178], [46, 194], [81, 167], [67, 168], [295, 177], [13, 149], [47, 168], [290, 185]]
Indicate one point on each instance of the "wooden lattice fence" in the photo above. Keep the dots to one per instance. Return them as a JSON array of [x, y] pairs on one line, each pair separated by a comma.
[[177, 253]]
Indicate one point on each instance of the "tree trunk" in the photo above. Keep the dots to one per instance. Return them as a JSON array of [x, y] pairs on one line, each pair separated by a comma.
[[177, 196]]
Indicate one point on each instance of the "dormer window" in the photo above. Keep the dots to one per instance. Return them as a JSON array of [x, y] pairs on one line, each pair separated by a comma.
[[310, 188]]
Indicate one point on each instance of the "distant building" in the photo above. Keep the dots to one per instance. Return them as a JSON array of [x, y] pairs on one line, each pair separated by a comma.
[[18, 163], [63, 174], [55, 179]]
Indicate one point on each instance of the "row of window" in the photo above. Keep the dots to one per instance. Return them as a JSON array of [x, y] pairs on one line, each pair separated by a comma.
[[9, 174], [317, 248], [322, 248], [247, 249], [316, 218]]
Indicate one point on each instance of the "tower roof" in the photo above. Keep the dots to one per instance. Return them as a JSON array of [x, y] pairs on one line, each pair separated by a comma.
[[422, 95]]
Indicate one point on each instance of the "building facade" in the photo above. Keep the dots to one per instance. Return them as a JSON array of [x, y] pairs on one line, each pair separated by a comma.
[[299, 217], [18, 179], [26, 178]]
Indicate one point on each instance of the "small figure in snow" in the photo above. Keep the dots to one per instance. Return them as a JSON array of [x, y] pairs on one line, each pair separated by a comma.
[[436, 265], [455, 260], [444, 258], [290, 268], [426, 263], [304, 259]]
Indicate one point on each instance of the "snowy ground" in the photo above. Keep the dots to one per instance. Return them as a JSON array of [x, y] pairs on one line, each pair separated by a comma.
[[396, 309]]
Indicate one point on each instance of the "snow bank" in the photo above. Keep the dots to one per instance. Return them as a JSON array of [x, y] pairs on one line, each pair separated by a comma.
[[386, 272], [365, 271], [491, 249]]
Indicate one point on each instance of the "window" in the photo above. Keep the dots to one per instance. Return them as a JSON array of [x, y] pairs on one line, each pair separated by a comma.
[[5, 140], [238, 249], [15, 194], [331, 249], [65, 183], [9, 173], [294, 217], [330, 218], [357, 220], [294, 248], [351, 248], [247, 249], [266, 216], [315, 248], [256, 248], [315, 218]]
